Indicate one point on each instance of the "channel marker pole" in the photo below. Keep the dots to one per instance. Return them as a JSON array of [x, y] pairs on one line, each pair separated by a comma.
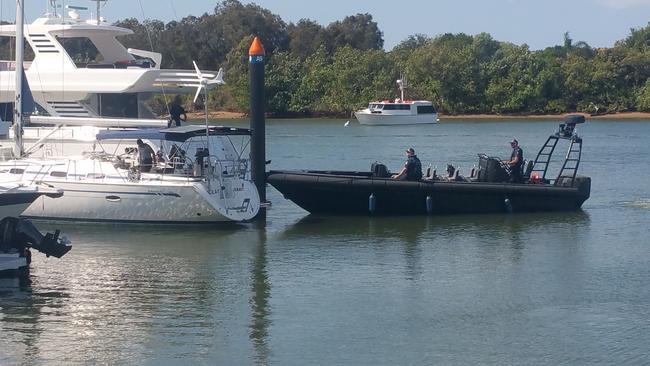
[[256, 60]]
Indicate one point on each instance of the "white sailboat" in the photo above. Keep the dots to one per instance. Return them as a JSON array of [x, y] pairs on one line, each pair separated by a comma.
[[197, 175], [196, 178]]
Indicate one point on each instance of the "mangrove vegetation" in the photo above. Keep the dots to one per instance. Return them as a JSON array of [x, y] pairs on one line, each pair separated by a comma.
[[334, 69]]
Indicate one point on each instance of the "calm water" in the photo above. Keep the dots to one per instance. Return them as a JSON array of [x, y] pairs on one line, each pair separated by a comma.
[[534, 289]]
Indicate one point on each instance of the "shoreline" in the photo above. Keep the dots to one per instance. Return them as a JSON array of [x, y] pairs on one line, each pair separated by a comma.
[[192, 116], [443, 117], [613, 116]]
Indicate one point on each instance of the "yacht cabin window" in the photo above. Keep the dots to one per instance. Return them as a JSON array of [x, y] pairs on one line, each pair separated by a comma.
[[426, 109], [8, 56], [397, 107], [82, 50]]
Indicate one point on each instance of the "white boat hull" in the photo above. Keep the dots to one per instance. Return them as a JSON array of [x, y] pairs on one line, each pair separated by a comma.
[[143, 203], [11, 262], [14, 210], [377, 119], [15, 199]]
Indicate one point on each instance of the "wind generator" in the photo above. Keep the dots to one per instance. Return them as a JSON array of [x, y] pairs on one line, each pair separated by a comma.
[[206, 84]]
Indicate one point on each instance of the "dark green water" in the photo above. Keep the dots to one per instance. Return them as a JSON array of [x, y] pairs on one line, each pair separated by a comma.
[[533, 289]]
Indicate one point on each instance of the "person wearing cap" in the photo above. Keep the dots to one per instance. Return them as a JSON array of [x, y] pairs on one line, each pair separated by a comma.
[[412, 168], [516, 161]]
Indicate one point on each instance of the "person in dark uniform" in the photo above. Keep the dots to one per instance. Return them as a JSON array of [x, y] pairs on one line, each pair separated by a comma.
[[146, 156], [412, 168], [175, 112], [516, 162]]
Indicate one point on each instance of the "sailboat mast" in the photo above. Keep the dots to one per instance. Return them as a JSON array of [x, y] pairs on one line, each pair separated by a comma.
[[97, 14], [18, 105]]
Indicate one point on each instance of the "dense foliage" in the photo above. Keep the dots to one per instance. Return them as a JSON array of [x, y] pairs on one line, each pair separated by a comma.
[[335, 69]]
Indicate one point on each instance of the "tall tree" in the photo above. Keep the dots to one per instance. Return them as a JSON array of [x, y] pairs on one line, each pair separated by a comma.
[[305, 37], [357, 31]]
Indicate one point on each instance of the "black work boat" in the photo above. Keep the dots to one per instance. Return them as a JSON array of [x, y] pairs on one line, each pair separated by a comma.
[[486, 190]]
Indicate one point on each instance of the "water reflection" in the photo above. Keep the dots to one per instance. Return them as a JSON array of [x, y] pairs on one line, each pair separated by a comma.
[[23, 305], [414, 229], [261, 291], [418, 236], [407, 229], [133, 289]]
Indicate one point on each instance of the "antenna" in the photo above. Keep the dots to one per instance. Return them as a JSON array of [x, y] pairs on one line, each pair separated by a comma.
[[99, 6], [54, 6], [402, 85]]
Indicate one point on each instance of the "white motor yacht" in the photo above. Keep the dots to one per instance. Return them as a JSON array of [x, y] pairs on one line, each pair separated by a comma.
[[78, 95], [398, 111], [108, 80]]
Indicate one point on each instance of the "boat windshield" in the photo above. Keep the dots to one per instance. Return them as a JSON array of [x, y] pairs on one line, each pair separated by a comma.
[[375, 106], [82, 50]]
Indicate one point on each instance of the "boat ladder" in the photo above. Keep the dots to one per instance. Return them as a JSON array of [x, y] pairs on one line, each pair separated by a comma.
[[571, 161], [544, 156]]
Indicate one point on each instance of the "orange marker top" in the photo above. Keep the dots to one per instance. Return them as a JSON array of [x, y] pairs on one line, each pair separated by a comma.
[[257, 49]]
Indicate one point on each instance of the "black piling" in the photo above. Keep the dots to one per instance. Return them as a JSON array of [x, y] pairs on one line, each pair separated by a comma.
[[256, 59]]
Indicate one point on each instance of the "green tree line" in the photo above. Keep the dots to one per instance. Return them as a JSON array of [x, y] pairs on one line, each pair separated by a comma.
[[334, 69]]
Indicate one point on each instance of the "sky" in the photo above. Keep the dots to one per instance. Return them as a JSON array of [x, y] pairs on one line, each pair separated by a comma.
[[538, 23]]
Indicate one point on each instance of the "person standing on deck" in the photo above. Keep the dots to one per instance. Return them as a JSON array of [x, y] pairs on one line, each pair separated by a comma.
[[516, 162], [175, 112]]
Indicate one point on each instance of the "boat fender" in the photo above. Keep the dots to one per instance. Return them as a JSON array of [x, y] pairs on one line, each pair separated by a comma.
[[372, 203], [429, 203], [508, 205]]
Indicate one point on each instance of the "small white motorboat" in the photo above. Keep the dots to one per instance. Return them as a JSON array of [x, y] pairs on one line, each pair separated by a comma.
[[398, 111]]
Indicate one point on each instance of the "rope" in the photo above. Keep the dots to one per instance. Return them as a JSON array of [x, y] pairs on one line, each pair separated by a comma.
[[162, 85]]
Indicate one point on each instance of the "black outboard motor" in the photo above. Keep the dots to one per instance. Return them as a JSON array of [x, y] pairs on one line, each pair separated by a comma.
[[21, 234]]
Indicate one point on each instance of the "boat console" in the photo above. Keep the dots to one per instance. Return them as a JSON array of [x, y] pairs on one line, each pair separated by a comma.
[[490, 169]]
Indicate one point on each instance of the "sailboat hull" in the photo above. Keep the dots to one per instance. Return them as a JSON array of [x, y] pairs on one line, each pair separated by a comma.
[[136, 203], [14, 204], [11, 262]]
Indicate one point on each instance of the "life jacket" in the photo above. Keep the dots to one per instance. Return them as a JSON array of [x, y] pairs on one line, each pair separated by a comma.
[[517, 151], [413, 168]]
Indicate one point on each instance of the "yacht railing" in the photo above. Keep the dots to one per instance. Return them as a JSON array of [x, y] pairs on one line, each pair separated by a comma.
[[24, 168]]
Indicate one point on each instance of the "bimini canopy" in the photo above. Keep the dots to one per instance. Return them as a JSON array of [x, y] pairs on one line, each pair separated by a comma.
[[178, 134]]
